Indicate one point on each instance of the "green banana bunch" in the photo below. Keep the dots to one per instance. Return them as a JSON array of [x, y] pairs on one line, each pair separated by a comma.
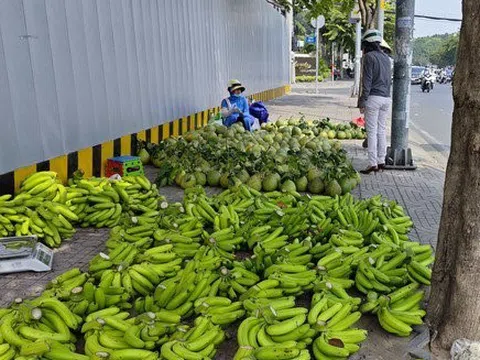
[[143, 195], [399, 224], [64, 284], [295, 223], [121, 337], [100, 202], [199, 342], [423, 254], [292, 278], [94, 201], [370, 278], [227, 217], [390, 209], [90, 298], [185, 238], [44, 185], [220, 310], [122, 256], [29, 215], [117, 335], [118, 236], [223, 239], [330, 313], [236, 281], [41, 327], [201, 209], [268, 289], [279, 331], [158, 255], [296, 253], [347, 238], [325, 347], [367, 223], [171, 291], [419, 273], [178, 293], [400, 310]]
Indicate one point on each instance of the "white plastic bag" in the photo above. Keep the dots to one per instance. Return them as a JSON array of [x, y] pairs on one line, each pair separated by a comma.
[[464, 349], [256, 124]]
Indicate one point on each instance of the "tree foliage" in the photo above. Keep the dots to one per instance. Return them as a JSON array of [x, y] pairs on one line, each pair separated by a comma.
[[439, 50], [317, 6], [337, 28]]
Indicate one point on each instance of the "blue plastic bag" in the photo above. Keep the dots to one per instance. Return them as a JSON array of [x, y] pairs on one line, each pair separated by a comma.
[[259, 111]]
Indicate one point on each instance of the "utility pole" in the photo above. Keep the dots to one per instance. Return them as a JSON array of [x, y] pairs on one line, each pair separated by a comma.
[[399, 156], [356, 18], [380, 15]]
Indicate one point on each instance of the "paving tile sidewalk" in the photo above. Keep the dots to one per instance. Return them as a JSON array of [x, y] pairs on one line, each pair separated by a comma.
[[420, 192]]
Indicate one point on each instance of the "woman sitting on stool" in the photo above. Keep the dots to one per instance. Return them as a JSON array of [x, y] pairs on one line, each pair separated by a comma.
[[235, 107]]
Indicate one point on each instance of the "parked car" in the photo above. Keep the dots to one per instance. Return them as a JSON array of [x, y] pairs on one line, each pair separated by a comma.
[[417, 74]]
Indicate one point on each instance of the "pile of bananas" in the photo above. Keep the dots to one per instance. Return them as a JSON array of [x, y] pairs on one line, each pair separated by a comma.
[[399, 310], [99, 202], [42, 327], [28, 215], [46, 208], [333, 313], [278, 331], [122, 337], [120, 269], [241, 255], [185, 237], [44, 185]]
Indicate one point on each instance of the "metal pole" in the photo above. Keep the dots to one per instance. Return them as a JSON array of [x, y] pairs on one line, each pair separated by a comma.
[[398, 155], [291, 34], [333, 62], [380, 15], [316, 57], [358, 57]]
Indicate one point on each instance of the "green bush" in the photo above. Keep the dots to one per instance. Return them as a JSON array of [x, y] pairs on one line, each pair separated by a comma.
[[308, 78]]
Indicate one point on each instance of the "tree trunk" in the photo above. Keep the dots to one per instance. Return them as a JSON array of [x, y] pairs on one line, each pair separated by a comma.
[[454, 307], [368, 12]]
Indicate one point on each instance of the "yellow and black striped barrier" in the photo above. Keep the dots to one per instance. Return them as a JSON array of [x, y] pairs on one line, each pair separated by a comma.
[[92, 160]]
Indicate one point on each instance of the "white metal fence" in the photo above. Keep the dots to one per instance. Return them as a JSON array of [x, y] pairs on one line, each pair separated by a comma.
[[75, 73]]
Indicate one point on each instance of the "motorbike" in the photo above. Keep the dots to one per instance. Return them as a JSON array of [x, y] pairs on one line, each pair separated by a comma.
[[427, 83]]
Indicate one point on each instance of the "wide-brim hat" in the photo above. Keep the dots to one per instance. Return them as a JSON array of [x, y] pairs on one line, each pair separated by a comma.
[[372, 36], [235, 85], [385, 45]]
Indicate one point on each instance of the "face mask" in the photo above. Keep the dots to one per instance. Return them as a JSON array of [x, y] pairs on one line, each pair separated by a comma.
[[236, 95]]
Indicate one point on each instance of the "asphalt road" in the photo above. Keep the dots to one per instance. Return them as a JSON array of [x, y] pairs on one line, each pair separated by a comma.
[[431, 113]]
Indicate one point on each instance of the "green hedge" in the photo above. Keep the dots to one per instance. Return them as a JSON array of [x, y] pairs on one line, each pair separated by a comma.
[[308, 78]]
